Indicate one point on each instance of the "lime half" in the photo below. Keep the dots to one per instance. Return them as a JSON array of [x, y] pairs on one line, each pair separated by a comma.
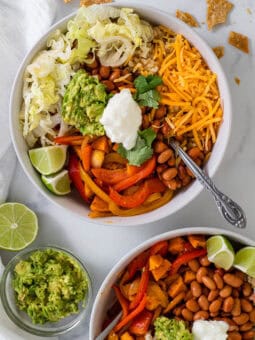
[[18, 226], [49, 159], [220, 251], [59, 184], [245, 260]]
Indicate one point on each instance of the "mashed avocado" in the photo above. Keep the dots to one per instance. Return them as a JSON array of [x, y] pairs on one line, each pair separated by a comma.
[[83, 104], [169, 329], [49, 286]]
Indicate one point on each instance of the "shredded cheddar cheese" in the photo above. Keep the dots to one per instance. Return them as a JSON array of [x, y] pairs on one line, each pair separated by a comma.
[[190, 91]]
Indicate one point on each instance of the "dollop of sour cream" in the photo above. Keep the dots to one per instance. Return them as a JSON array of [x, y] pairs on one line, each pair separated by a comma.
[[122, 118], [210, 330]]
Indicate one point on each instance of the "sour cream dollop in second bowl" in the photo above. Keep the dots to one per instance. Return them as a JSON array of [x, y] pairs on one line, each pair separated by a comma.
[[122, 118]]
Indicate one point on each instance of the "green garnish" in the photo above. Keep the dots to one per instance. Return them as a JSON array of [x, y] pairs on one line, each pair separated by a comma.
[[49, 286], [142, 149], [169, 329], [146, 94]]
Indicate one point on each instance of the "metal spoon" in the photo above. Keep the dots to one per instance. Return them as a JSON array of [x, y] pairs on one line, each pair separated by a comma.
[[107, 330], [229, 209]]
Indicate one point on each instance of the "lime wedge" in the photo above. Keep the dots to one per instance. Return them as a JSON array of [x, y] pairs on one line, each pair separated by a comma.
[[18, 226], [220, 251], [245, 260], [59, 183], [49, 159]]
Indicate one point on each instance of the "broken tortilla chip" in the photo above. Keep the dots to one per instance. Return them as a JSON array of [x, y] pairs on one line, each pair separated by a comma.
[[237, 80], [187, 18], [217, 12], [219, 51], [93, 2], [239, 41]]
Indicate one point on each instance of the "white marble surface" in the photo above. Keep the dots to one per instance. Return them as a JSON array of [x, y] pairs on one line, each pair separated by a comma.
[[101, 247]]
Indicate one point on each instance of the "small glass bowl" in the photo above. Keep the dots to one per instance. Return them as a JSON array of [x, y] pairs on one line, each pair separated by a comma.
[[21, 318]]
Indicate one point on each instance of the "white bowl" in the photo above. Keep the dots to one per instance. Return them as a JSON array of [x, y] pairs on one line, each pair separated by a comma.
[[72, 202], [104, 297]]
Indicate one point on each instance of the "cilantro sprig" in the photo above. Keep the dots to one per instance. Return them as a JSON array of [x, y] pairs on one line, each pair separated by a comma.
[[146, 94], [142, 149]]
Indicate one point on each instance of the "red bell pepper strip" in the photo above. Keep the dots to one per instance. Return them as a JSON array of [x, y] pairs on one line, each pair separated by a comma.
[[145, 171], [131, 315], [141, 323], [159, 248], [110, 176], [69, 140], [147, 188], [74, 174], [186, 257], [142, 289], [188, 247], [123, 302], [137, 264]]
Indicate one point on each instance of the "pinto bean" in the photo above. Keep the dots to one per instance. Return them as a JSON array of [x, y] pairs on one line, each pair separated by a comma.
[[246, 327], [208, 282], [115, 74], [202, 271], [192, 305], [228, 304], [218, 280], [195, 153], [194, 265], [104, 71], [215, 305], [195, 289], [160, 112], [109, 84], [203, 302], [212, 295], [252, 315], [246, 306], [241, 319], [237, 307], [226, 291], [169, 174], [234, 336], [187, 314], [201, 315], [166, 130], [159, 146], [246, 289], [204, 261], [232, 280], [248, 335], [164, 156]]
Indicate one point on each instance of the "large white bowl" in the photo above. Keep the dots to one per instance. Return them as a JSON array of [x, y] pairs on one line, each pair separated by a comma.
[[104, 298], [73, 202]]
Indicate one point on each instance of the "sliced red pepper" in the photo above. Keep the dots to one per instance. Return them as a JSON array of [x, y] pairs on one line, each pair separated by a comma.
[[122, 300], [142, 289], [74, 174], [145, 171], [110, 176], [69, 140], [185, 258], [159, 248], [188, 247], [155, 185], [137, 264], [141, 323], [132, 315]]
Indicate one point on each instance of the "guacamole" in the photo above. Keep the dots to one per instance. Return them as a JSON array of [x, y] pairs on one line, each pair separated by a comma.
[[83, 104], [49, 285]]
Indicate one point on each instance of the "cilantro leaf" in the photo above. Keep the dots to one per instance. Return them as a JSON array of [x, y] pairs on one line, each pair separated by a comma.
[[142, 150], [144, 84], [146, 94], [149, 98]]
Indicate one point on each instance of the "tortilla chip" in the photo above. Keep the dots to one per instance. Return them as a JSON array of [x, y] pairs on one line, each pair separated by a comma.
[[239, 41], [237, 80], [93, 2], [187, 18], [219, 51], [217, 12]]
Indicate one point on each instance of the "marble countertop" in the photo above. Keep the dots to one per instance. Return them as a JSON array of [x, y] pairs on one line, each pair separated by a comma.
[[101, 247]]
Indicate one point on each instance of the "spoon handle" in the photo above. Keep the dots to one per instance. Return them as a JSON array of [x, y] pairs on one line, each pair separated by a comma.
[[229, 209]]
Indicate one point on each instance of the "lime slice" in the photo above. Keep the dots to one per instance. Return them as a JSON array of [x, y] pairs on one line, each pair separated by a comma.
[[245, 260], [18, 226], [49, 159], [59, 184], [220, 251]]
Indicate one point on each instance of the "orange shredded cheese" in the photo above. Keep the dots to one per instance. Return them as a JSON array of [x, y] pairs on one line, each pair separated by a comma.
[[190, 92]]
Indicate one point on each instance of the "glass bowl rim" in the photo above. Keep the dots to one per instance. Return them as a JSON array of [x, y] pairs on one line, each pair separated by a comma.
[[32, 328]]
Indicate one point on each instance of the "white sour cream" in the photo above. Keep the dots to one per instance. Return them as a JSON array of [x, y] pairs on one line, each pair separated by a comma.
[[122, 118], [210, 330]]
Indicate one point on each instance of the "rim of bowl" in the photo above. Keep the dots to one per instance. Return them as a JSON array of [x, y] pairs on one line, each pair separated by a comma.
[[36, 329], [125, 260], [197, 188]]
